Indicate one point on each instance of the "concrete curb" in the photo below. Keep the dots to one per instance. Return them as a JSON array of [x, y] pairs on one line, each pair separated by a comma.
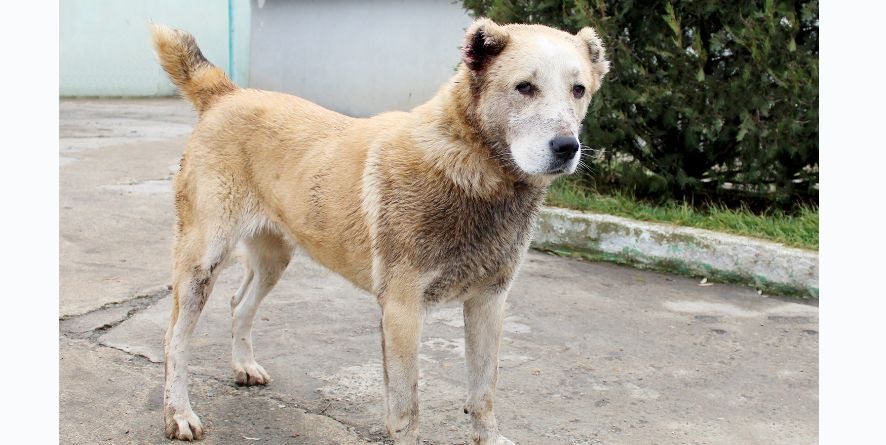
[[770, 266]]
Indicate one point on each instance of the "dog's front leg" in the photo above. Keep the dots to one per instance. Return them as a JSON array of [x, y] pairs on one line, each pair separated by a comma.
[[484, 315], [401, 335]]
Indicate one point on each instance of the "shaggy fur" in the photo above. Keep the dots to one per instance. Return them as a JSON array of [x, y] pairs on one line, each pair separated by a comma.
[[431, 206]]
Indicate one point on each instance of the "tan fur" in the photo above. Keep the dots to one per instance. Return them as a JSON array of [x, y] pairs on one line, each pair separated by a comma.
[[198, 80], [416, 208]]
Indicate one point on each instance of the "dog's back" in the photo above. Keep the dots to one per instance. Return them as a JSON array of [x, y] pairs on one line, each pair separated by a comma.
[[278, 162]]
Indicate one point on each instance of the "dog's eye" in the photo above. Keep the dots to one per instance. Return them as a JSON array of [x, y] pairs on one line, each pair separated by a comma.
[[525, 88], [578, 91]]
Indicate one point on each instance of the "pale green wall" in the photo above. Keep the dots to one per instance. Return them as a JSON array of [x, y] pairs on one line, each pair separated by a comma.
[[105, 50]]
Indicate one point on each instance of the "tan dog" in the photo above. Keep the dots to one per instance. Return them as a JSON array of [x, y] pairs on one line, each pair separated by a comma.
[[418, 208]]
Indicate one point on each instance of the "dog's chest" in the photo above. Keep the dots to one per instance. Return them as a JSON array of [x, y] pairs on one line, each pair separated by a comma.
[[463, 242]]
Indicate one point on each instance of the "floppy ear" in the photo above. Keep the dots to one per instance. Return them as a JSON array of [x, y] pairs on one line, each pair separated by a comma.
[[595, 49], [483, 41]]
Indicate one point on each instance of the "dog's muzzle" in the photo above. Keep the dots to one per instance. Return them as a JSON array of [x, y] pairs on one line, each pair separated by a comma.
[[564, 149]]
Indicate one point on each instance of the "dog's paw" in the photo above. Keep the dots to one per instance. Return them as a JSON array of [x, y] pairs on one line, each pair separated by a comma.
[[498, 440], [409, 439], [184, 426], [250, 374], [502, 440]]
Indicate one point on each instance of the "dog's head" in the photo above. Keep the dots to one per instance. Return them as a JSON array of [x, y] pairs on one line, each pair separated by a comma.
[[531, 87]]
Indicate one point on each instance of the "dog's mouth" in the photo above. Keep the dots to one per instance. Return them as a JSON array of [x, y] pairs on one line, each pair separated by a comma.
[[561, 168], [554, 170], [557, 171]]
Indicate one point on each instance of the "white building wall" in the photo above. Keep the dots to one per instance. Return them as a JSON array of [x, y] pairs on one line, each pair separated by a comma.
[[356, 57]]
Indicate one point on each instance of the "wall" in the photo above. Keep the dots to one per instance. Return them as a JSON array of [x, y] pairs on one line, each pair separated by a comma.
[[105, 49], [358, 58]]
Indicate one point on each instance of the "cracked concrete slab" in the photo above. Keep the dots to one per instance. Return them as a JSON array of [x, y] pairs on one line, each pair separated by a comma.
[[597, 353], [108, 396], [114, 183], [593, 353]]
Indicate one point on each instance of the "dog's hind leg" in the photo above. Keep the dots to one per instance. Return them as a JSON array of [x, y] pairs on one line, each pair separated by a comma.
[[248, 275], [484, 316], [199, 258], [267, 255]]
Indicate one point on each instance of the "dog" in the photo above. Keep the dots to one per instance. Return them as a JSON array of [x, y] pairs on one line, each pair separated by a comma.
[[418, 208]]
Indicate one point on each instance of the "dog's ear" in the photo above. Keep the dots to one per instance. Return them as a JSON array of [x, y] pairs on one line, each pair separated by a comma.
[[596, 50], [484, 40]]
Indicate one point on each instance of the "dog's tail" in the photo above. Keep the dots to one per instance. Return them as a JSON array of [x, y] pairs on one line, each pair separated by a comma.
[[198, 80]]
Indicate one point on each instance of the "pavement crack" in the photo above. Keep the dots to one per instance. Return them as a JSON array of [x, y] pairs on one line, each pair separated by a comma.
[[134, 354], [278, 398], [146, 299], [152, 294], [263, 393], [69, 324]]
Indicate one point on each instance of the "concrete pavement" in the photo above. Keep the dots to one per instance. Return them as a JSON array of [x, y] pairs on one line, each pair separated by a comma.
[[593, 353]]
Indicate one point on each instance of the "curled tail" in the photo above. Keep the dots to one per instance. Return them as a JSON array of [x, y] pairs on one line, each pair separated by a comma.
[[200, 81]]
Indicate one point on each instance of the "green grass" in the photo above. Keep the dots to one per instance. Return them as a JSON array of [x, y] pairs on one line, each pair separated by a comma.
[[798, 230]]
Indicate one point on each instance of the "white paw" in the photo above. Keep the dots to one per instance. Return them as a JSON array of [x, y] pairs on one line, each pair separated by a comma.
[[499, 440], [250, 374], [502, 440], [183, 425]]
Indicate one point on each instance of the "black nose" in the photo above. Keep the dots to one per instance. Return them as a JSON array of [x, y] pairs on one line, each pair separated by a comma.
[[564, 147]]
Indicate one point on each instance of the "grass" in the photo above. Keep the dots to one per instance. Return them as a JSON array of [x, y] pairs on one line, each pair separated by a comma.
[[798, 230]]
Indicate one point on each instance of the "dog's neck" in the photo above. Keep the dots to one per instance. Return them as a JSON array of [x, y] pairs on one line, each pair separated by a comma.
[[450, 138]]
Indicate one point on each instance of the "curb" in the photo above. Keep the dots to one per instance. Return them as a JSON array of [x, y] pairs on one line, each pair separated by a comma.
[[767, 265]]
